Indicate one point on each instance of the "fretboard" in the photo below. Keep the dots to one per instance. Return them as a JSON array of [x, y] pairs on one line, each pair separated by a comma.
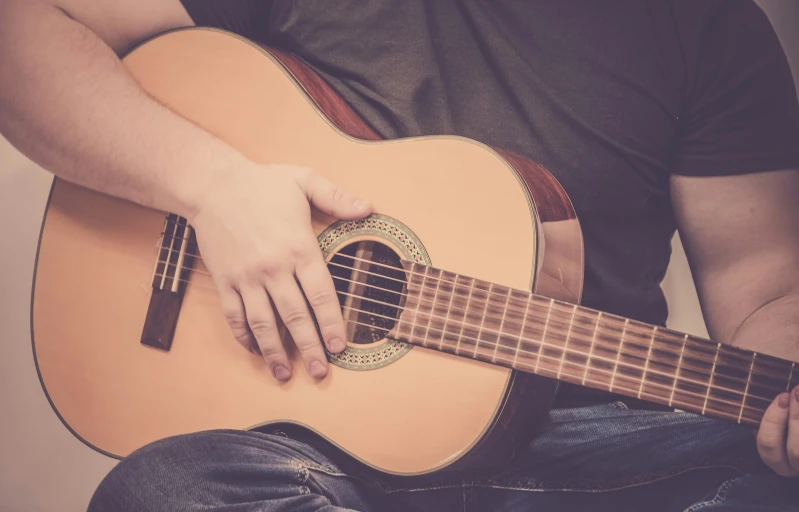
[[527, 332]]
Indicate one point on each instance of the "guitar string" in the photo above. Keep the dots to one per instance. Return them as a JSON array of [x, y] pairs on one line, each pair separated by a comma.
[[539, 316], [633, 392], [645, 331], [543, 344]]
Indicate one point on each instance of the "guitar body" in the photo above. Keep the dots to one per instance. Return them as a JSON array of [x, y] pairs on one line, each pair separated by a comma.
[[466, 207]]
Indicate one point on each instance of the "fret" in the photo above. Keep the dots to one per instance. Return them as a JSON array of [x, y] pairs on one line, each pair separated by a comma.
[[501, 324], [677, 371], [618, 355], [434, 303], [730, 379], [604, 350], [591, 350], [553, 355], [746, 390], [508, 344], [766, 382], [543, 335], [493, 315], [521, 330], [445, 331], [465, 312], [790, 377], [577, 345], [693, 375], [566, 342], [482, 316], [660, 371], [435, 327], [421, 325], [646, 363], [470, 334], [710, 383], [633, 359]]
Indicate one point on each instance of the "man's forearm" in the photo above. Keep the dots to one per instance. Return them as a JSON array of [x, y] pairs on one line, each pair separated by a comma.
[[68, 103], [773, 329]]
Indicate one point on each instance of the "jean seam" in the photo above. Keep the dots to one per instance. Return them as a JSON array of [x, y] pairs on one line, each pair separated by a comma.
[[720, 496], [543, 486]]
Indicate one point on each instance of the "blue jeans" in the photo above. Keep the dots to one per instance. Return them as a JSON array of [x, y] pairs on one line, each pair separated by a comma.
[[597, 458]]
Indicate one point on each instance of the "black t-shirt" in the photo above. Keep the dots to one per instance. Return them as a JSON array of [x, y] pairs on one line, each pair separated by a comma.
[[610, 96]]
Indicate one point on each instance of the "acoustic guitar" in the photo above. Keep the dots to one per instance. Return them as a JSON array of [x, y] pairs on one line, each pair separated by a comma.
[[461, 296]]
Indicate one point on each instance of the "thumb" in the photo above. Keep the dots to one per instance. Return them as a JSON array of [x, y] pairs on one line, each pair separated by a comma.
[[333, 200]]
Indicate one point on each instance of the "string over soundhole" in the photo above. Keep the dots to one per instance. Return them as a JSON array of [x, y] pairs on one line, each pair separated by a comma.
[[364, 257], [370, 284]]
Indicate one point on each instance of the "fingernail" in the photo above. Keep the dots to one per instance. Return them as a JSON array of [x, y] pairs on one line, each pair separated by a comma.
[[317, 370], [281, 373], [784, 400], [360, 204], [336, 345]]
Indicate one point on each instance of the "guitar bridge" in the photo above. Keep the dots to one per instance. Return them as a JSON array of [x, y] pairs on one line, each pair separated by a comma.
[[170, 275]]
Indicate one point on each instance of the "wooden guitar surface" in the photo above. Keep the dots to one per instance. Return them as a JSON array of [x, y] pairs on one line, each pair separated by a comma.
[[475, 212]]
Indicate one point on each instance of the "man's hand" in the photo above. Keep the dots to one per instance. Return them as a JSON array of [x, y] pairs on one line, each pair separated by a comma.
[[778, 437], [254, 232]]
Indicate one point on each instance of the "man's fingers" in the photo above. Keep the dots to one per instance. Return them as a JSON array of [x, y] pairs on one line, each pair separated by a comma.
[[318, 287], [262, 324], [233, 309], [772, 436], [793, 432], [293, 310], [331, 199]]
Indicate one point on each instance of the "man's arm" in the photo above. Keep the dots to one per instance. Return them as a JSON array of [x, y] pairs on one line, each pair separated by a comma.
[[67, 102], [741, 235]]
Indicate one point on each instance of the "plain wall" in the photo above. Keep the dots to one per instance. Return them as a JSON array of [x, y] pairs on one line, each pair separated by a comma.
[[42, 466]]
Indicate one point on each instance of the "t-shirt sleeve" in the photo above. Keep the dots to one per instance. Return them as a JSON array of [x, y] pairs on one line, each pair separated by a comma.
[[740, 112], [248, 18]]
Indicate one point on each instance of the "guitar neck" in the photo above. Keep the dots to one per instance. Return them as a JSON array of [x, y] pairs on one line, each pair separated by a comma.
[[527, 332]]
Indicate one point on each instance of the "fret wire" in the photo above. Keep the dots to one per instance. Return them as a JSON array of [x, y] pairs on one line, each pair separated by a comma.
[[699, 342], [618, 354], [790, 377], [465, 314], [712, 371], [646, 364], [688, 404], [591, 349], [446, 317], [433, 307], [501, 324], [746, 390], [415, 316], [677, 371], [544, 333], [631, 392], [544, 344], [566, 342], [482, 320], [521, 334]]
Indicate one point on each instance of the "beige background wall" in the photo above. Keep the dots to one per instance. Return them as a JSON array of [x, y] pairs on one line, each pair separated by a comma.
[[42, 466]]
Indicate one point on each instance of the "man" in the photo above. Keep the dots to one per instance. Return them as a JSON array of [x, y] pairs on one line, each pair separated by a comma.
[[652, 114]]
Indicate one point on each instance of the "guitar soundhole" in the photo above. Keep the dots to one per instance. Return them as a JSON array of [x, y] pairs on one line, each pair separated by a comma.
[[370, 283]]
